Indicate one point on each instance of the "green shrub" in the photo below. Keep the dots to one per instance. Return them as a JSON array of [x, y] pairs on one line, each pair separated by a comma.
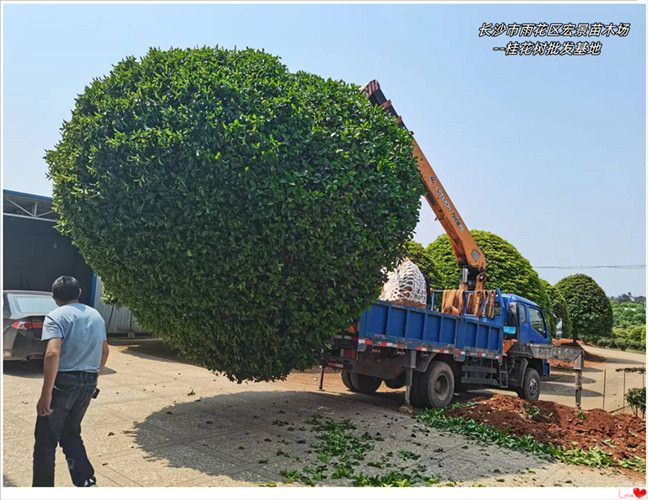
[[627, 313], [636, 346], [636, 398], [507, 269], [242, 212], [588, 306], [604, 342], [634, 336]]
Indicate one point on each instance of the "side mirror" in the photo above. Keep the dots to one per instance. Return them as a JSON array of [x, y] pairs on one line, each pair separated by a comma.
[[510, 330]]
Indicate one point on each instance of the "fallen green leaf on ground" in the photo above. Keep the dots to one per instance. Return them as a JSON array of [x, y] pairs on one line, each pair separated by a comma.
[[340, 449]]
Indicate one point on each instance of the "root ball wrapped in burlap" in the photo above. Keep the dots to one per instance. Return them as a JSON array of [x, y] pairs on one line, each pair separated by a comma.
[[405, 285]]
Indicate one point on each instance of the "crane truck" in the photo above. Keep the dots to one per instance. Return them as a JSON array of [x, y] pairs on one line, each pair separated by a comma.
[[462, 339]]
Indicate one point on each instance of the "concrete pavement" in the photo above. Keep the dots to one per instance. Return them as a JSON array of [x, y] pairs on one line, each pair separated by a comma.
[[160, 422]]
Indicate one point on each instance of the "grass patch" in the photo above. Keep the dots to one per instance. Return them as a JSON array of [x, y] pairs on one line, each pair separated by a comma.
[[594, 457]]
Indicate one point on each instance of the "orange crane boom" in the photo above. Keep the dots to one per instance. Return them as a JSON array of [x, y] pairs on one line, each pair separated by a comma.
[[469, 256]]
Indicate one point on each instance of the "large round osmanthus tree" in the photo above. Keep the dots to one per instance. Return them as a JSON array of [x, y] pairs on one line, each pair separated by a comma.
[[506, 268], [588, 305], [244, 213]]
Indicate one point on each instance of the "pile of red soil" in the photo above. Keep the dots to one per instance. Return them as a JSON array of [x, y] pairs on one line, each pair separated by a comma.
[[564, 342], [625, 435]]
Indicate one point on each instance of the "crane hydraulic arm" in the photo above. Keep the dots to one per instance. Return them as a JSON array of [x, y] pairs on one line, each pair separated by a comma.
[[469, 256]]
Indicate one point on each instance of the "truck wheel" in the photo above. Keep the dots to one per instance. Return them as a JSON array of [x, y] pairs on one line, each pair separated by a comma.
[[530, 389], [346, 380], [437, 386], [364, 383], [397, 382], [416, 393]]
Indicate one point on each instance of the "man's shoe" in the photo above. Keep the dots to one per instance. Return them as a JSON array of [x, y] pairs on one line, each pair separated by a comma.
[[89, 482]]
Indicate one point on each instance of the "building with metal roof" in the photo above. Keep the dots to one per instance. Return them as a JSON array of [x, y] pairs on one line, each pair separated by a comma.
[[35, 254]]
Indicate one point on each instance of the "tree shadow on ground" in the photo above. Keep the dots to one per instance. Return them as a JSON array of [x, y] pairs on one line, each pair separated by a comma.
[[551, 387], [154, 348], [253, 436], [609, 360], [568, 377]]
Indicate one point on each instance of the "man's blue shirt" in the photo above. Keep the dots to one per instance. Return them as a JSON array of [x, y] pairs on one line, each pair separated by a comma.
[[83, 331]]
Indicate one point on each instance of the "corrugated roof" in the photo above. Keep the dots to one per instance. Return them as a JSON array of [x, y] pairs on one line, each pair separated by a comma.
[[27, 205]]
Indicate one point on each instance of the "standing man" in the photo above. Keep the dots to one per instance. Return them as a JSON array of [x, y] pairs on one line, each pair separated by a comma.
[[76, 349]]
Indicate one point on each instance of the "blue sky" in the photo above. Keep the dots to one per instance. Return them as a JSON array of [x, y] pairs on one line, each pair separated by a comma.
[[547, 152]]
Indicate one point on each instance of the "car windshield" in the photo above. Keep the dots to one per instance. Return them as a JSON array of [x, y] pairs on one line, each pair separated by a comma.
[[33, 305]]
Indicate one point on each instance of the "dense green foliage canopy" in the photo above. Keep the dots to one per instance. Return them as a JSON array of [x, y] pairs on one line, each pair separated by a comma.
[[629, 322], [627, 313], [507, 269], [244, 213], [589, 307]]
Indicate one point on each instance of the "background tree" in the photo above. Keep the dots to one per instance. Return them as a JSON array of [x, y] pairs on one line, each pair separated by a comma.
[[629, 321], [588, 306], [507, 269], [242, 212], [557, 311]]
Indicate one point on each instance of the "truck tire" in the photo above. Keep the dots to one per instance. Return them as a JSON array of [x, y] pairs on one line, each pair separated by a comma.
[[416, 393], [346, 380], [530, 389], [397, 382], [365, 384], [437, 385]]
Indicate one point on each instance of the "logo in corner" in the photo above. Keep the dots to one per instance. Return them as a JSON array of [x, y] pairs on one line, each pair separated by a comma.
[[639, 492]]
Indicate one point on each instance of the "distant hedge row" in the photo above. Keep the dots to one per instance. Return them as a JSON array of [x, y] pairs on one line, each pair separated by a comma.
[[620, 343]]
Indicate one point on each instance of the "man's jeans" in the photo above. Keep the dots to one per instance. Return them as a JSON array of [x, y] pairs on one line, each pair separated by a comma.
[[70, 399]]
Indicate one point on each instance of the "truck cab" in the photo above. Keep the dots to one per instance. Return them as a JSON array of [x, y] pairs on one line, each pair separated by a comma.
[[525, 321]]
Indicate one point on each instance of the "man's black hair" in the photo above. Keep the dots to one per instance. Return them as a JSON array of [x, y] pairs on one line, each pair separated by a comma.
[[66, 288]]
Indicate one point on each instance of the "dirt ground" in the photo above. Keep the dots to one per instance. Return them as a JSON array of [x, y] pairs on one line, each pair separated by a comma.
[[623, 436], [161, 422]]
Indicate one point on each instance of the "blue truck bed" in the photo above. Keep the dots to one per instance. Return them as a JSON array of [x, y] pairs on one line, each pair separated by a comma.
[[385, 323]]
